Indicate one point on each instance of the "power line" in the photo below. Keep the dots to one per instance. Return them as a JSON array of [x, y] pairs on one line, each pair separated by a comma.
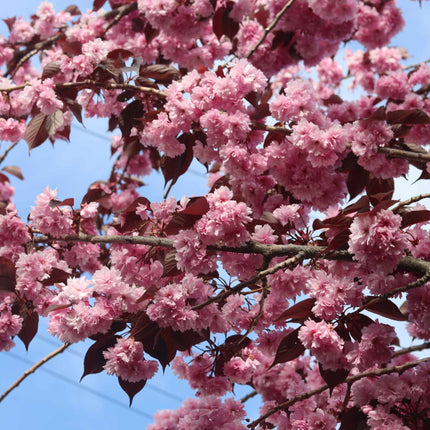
[[105, 138], [82, 387], [148, 384]]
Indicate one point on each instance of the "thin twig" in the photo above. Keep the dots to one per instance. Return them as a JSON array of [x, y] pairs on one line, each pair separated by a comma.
[[268, 29], [351, 379], [420, 347], [120, 12], [411, 200], [90, 84], [248, 396], [34, 368], [7, 150], [271, 270]]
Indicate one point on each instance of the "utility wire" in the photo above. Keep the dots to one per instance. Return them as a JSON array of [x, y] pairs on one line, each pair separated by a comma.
[[82, 387], [105, 138], [148, 384]]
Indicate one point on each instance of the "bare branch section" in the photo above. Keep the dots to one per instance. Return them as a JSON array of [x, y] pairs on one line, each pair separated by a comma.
[[34, 368], [349, 380], [268, 29], [7, 150], [409, 264]]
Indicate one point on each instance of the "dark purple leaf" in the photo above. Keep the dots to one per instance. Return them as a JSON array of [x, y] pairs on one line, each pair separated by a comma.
[[333, 377], [7, 275], [413, 217], [29, 328], [73, 10], [378, 186], [54, 122], [131, 388], [98, 4], [385, 308], [409, 116], [289, 348], [94, 359], [300, 311], [354, 419], [356, 181], [14, 170], [196, 206], [160, 73], [36, 132], [170, 267], [355, 323], [51, 69]]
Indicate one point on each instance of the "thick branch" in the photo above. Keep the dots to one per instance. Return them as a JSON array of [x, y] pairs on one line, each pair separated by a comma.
[[409, 264], [351, 379], [34, 368], [89, 84], [268, 29], [420, 347]]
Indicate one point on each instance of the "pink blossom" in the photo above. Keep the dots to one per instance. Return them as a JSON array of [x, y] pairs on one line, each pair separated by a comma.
[[126, 360], [51, 219], [324, 343], [376, 240]]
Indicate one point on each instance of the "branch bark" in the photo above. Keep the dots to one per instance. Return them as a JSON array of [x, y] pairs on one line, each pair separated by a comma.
[[34, 368], [349, 380]]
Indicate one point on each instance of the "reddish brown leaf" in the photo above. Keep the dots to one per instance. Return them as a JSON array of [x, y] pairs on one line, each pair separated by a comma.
[[73, 10], [356, 181], [354, 419], [339, 241], [333, 377], [300, 311], [380, 186], [74, 107], [94, 359], [289, 348], [408, 116], [170, 264], [51, 69], [385, 308], [355, 323], [56, 276], [131, 388], [29, 328], [54, 122], [10, 22], [7, 275], [413, 217], [188, 338], [160, 73], [98, 4], [66, 202], [196, 206], [36, 132], [14, 170]]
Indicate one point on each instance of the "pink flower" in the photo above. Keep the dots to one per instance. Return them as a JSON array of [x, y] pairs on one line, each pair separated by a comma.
[[51, 219], [376, 240], [324, 343], [126, 360]]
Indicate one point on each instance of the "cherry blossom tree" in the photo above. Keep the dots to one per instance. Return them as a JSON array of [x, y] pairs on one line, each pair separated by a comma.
[[279, 277]]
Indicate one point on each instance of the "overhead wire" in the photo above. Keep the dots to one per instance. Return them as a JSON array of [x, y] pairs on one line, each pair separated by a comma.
[[82, 387], [148, 385], [90, 132]]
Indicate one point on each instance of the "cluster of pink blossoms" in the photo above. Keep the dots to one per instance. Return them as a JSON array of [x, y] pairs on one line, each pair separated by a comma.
[[273, 302]]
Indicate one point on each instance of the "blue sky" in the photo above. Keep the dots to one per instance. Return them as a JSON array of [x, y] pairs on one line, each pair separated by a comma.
[[44, 401]]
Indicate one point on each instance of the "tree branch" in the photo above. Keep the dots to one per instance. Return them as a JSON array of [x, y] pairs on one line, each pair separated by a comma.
[[409, 264], [351, 379], [268, 29], [420, 347], [7, 150], [34, 368], [411, 200]]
